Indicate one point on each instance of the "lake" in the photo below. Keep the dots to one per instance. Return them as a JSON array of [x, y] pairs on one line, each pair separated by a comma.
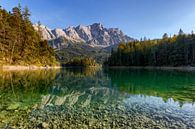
[[96, 98]]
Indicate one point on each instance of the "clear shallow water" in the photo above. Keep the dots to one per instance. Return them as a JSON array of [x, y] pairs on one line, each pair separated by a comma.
[[91, 98]]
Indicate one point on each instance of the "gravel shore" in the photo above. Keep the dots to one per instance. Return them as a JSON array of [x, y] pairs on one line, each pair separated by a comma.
[[30, 67], [111, 116]]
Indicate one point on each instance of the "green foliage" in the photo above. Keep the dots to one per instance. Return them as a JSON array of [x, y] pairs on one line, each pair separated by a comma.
[[176, 51], [82, 62], [20, 44]]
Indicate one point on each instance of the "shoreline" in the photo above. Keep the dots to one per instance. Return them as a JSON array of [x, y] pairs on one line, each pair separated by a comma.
[[33, 67], [179, 68], [30, 67]]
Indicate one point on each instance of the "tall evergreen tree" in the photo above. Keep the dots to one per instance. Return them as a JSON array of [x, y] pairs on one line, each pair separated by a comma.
[[181, 32], [178, 50], [165, 36], [19, 42]]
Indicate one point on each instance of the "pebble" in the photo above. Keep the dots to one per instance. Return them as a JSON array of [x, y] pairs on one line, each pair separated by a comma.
[[45, 125], [110, 117]]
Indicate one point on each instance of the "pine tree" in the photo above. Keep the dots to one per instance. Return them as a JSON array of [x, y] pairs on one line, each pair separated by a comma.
[[168, 51], [165, 36], [181, 32], [19, 42]]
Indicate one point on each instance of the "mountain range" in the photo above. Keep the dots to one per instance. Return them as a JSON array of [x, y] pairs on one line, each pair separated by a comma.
[[93, 41], [95, 35]]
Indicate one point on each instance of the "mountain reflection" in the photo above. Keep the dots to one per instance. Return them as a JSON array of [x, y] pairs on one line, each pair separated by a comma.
[[92, 91], [68, 85], [80, 87]]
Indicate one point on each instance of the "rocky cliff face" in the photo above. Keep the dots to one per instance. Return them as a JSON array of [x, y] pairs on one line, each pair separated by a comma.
[[46, 32], [94, 35]]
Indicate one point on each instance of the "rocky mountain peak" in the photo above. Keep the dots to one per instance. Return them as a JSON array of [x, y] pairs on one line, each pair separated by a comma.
[[59, 33], [46, 32], [97, 25], [94, 35]]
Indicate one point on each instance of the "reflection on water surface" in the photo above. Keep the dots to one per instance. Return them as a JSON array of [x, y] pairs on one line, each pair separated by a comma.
[[95, 98]]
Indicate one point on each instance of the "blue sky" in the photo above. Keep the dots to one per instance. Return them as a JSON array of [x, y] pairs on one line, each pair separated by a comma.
[[136, 18]]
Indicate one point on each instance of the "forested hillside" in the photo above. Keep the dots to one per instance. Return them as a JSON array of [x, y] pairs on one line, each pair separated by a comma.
[[20, 44], [74, 50], [82, 62], [178, 50]]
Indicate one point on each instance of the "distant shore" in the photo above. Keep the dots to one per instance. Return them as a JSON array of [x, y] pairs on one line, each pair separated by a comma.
[[180, 68], [30, 67]]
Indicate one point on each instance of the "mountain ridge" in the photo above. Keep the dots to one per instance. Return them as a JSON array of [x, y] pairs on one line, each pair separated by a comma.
[[93, 35]]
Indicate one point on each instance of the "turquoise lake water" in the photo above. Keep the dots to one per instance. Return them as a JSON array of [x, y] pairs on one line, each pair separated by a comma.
[[96, 98]]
